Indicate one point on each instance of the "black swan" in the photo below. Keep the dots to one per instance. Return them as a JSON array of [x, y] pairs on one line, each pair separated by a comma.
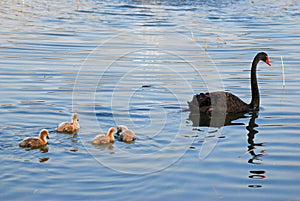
[[221, 101]]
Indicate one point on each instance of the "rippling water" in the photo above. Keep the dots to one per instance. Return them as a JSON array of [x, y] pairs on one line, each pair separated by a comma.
[[137, 63]]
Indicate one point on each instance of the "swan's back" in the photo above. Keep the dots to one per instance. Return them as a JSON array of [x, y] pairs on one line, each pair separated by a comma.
[[127, 136], [101, 139], [219, 102], [31, 142]]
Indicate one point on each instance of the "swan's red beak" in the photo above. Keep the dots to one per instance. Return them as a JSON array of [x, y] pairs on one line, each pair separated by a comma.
[[268, 62]]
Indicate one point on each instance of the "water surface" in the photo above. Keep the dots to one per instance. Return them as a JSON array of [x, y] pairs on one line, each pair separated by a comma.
[[138, 63]]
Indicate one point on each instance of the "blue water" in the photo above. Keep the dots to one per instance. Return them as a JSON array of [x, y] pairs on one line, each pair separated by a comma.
[[138, 63]]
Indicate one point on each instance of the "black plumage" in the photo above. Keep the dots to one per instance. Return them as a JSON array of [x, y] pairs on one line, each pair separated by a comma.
[[225, 102]]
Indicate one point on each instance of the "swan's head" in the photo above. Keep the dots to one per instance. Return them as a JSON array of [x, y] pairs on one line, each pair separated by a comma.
[[264, 57], [121, 128], [75, 117], [44, 134]]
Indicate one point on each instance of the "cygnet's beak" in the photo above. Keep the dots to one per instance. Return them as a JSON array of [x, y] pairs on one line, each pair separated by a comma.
[[47, 137]]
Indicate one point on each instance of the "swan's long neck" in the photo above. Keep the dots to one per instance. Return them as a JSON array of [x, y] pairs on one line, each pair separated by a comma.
[[75, 122], [110, 134], [43, 138], [254, 104]]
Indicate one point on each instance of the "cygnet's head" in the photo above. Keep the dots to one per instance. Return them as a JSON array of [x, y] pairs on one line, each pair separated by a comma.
[[75, 117], [44, 134], [121, 128]]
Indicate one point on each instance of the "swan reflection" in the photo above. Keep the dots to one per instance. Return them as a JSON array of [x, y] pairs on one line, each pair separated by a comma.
[[199, 119], [218, 120], [256, 158]]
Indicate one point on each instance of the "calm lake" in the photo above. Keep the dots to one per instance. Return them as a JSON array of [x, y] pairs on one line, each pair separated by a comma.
[[137, 63]]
